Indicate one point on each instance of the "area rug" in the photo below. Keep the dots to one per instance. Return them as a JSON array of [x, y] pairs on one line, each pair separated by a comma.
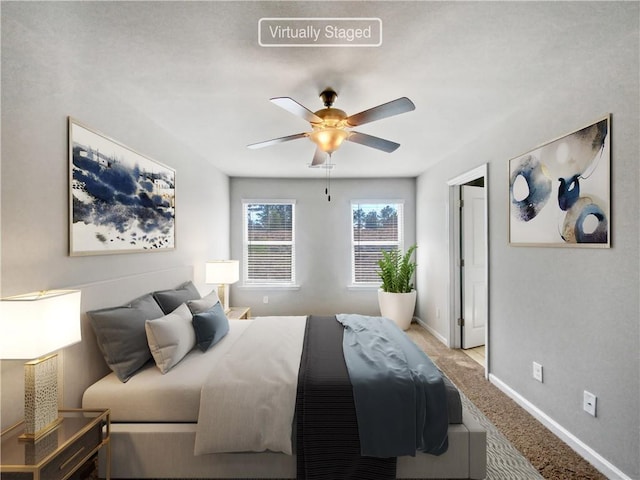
[[504, 461], [550, 457]]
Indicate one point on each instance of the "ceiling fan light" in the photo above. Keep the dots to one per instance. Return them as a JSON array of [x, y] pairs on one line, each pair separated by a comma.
[[328, 139]]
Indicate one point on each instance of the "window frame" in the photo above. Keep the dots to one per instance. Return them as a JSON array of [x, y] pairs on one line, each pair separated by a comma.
[[262, 283], [399, 204]]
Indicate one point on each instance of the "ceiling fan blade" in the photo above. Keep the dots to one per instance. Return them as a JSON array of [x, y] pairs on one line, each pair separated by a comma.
[[389, 109], [277, 140], [319, 158], [291, 106], [373, 142]]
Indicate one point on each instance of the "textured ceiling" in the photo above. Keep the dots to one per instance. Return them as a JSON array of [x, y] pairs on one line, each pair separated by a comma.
[[196, 70]]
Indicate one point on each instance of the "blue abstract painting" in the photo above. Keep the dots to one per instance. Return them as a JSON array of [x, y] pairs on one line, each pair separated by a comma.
[[559, 193], [120, 200]]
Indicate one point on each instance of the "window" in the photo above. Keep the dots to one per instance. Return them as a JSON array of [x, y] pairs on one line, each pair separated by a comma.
[[269, 242], [376, 226]]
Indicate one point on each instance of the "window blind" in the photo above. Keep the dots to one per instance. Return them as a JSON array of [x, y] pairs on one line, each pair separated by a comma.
[[376, 226], [269, 242]]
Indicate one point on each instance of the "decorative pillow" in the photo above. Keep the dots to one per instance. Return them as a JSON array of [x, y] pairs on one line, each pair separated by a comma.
[[210, 327], [203, 304], [121, 335], [169, 300], [170, 337]]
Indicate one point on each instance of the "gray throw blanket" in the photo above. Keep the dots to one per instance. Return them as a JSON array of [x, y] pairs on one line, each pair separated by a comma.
[[399, 393]]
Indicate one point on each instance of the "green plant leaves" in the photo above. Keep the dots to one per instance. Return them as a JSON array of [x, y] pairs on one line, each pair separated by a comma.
[[396, 270]]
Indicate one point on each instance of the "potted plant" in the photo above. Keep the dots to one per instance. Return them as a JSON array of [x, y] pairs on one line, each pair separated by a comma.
[[396, 296]]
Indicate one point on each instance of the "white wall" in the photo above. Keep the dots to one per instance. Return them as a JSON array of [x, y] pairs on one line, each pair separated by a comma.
[[575, 311], [323, 243], [39, 91]]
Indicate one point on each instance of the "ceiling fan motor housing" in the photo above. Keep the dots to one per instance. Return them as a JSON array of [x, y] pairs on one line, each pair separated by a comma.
[[331, 117]]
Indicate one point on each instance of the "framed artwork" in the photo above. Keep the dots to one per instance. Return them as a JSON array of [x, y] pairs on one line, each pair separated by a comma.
[[120, 201], [559, 193]]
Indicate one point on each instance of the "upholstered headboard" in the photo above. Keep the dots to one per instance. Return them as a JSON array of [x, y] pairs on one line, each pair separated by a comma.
[[83, 363]]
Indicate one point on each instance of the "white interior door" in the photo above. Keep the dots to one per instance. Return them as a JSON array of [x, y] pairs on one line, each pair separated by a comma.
[[474, 308]]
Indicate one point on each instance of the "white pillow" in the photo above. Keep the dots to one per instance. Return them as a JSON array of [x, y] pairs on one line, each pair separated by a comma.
[[170, 337], [205, 303]]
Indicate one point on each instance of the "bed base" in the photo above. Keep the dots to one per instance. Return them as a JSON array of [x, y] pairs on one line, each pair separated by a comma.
[[165, 450]]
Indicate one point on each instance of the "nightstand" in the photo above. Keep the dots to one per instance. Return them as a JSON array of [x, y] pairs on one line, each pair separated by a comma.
[[57, 456], [239, 313]]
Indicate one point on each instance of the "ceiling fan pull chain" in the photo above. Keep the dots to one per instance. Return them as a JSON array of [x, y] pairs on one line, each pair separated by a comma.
[[328, 189], [326, 180]]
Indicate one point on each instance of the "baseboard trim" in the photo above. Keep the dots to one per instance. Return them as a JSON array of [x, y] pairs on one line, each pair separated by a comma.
[[431, 331], [581, 448]]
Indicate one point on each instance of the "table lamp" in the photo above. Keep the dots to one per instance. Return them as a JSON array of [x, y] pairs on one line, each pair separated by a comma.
[[222, 273], [36, 325]]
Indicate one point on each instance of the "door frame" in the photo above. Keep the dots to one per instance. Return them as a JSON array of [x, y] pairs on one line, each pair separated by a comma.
[[455, 285]]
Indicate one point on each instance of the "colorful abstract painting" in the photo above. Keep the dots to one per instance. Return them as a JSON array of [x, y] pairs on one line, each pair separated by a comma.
[[120, 200], [559, 193]]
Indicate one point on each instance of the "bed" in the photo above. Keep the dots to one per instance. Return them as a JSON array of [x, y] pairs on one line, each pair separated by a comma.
[[155, 416]]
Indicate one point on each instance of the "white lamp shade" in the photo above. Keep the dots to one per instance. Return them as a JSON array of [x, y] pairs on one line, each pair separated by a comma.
[[222, 272], [39, 323]]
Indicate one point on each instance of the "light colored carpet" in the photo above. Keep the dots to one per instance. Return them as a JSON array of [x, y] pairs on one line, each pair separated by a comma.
[[549, 455]]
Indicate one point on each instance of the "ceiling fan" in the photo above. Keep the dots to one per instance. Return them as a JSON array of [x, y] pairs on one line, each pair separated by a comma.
[[331, 126]]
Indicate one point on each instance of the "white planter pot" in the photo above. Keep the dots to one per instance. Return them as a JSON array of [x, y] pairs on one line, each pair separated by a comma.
[[398, 307]]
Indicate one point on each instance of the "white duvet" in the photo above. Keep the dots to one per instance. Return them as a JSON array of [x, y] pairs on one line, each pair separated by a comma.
[[247, 402]]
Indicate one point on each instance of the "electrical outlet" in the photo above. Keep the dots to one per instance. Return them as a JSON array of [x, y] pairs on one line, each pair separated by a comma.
[[537, 372], [265, 299], [589, 403]]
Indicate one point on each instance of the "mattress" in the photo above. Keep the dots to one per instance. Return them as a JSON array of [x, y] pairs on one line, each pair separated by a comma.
[[151, 397]]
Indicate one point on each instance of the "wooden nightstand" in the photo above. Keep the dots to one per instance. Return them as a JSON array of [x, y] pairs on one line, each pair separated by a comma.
[[60, 454], [239, 313]]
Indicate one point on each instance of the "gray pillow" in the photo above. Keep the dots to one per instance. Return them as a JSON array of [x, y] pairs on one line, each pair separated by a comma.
[[121, 335], [210, 327], [169, 300], [203, 304], [171, 337]]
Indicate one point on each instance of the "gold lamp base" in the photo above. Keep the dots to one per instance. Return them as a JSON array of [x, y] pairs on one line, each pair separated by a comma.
[[40, 397], [37, 436], [223, 295]]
